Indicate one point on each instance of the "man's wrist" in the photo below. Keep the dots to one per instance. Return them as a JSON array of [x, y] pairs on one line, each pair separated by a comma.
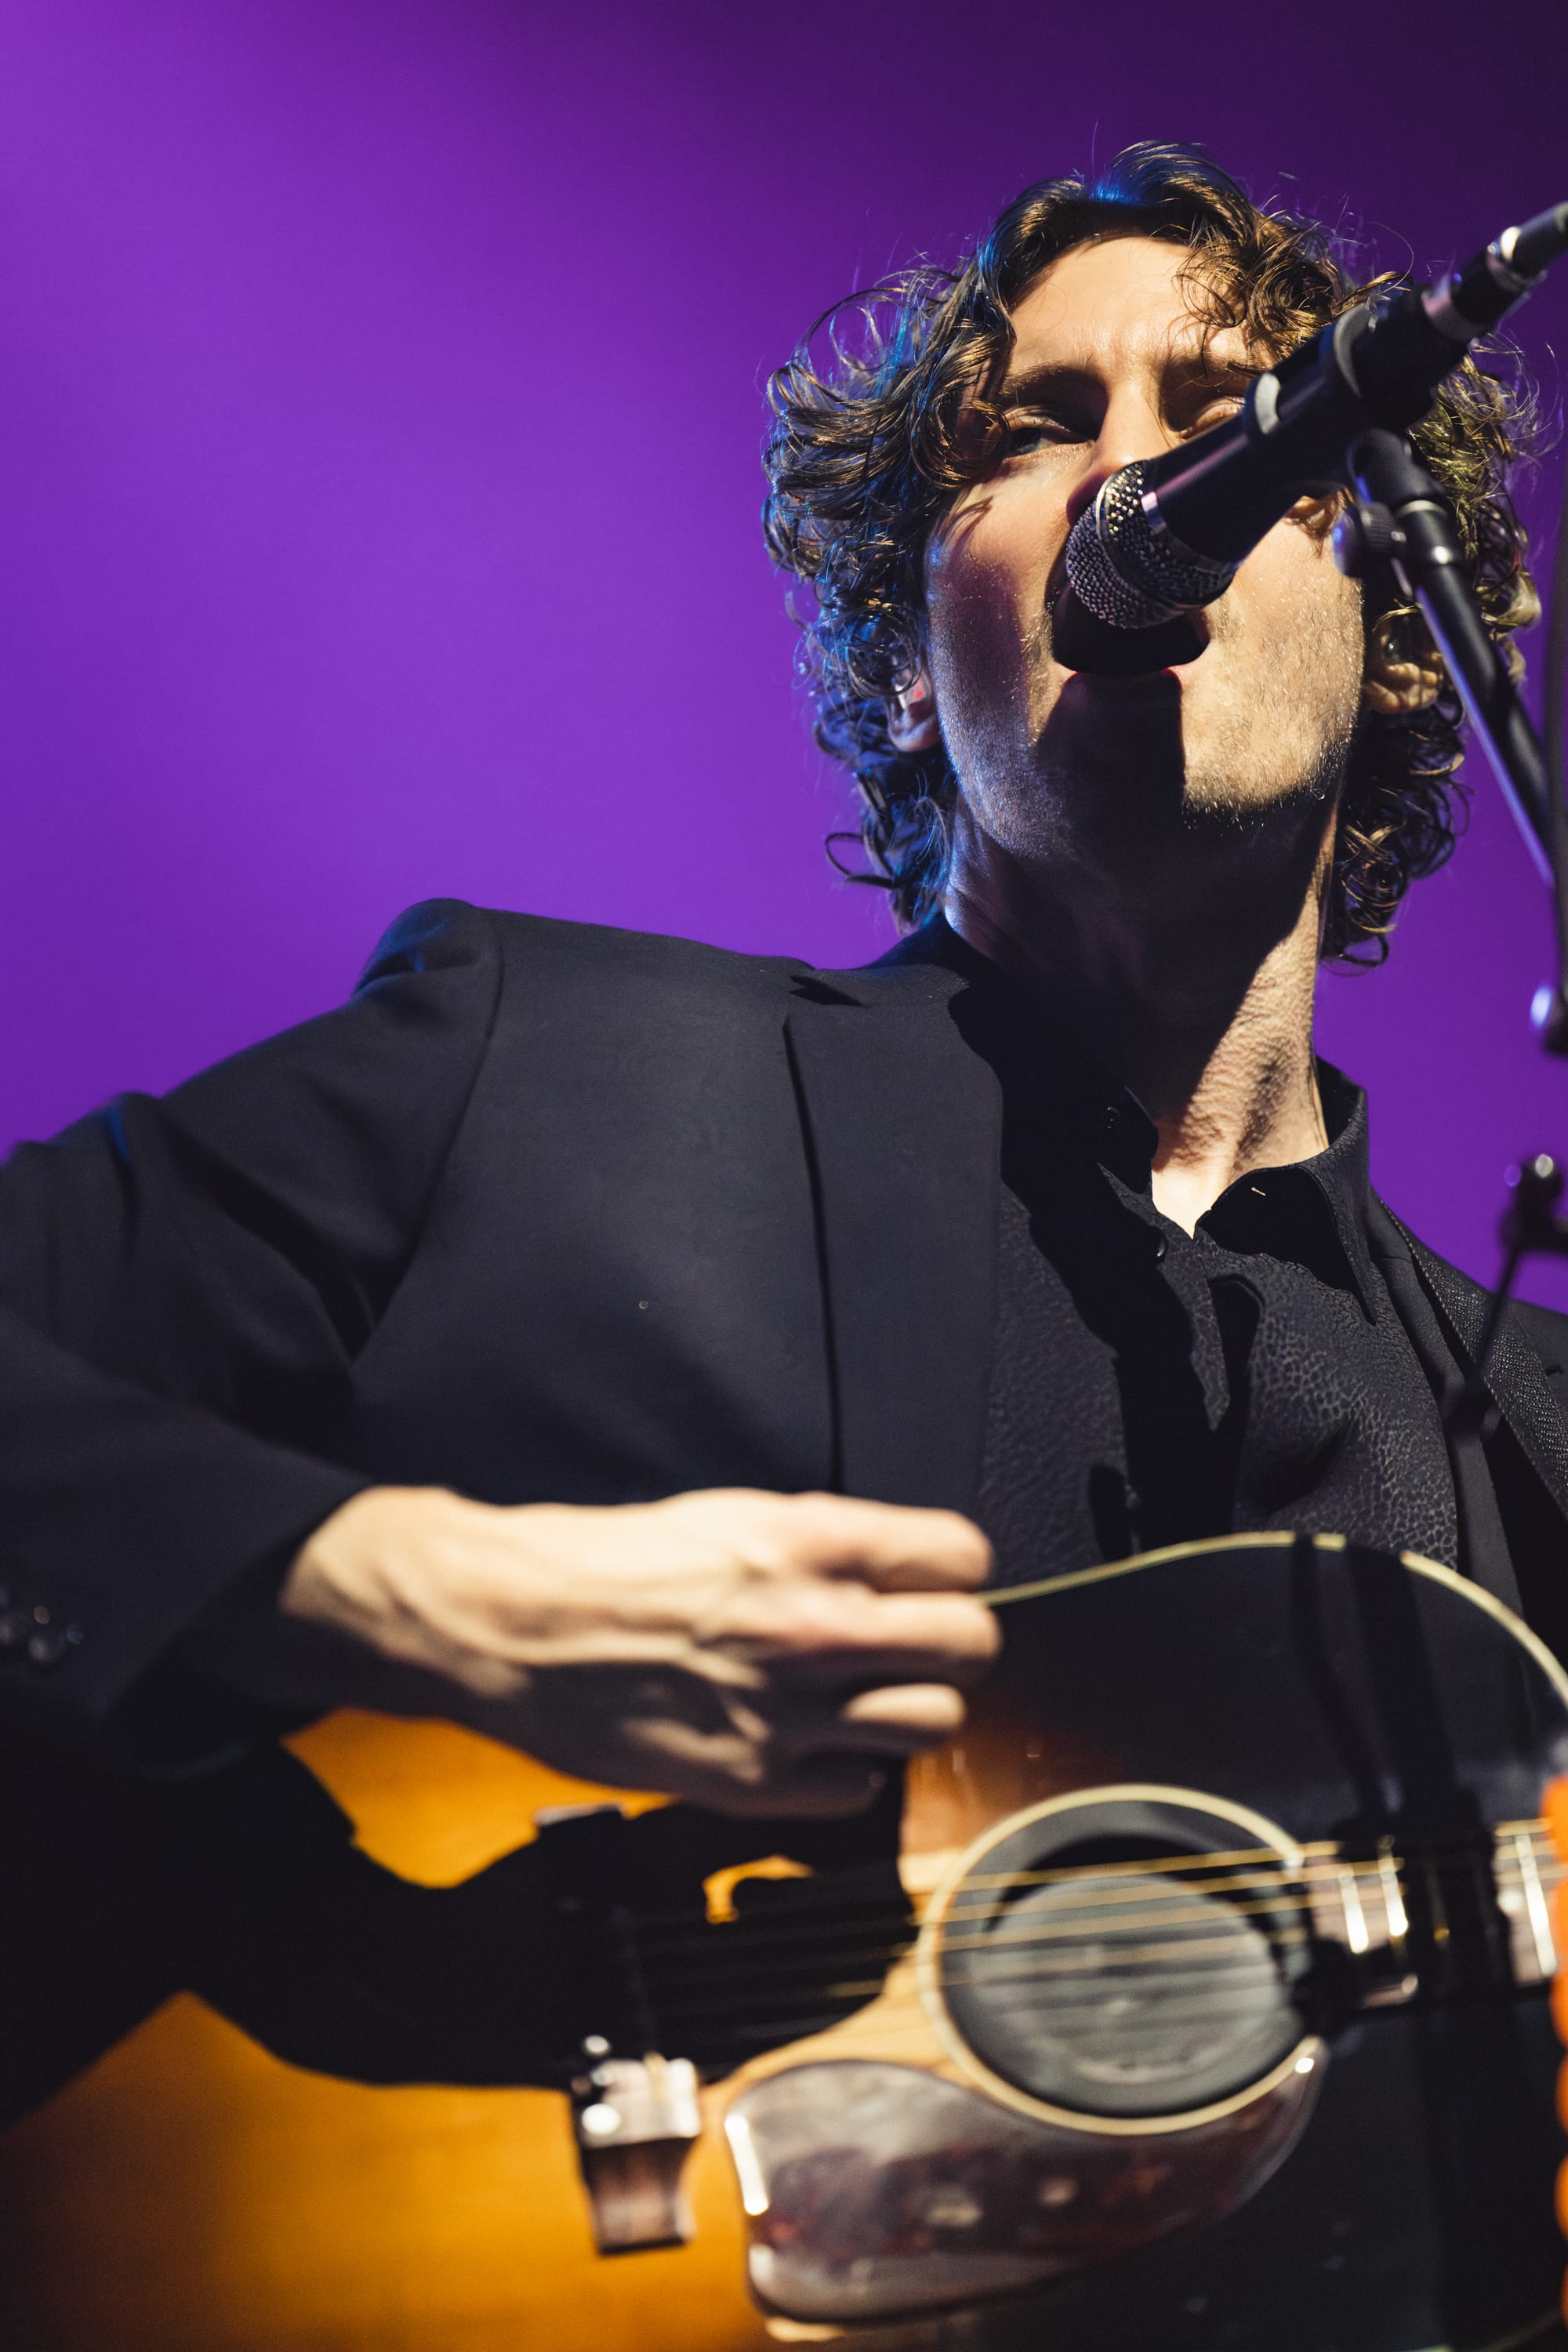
[[381, 1591]]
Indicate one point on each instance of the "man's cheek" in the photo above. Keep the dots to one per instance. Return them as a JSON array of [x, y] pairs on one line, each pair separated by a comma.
[[978, 637], [1295, 587]]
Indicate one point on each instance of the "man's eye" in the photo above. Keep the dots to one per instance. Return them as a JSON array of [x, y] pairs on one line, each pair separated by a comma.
[[1219, 410], [1026, 433]]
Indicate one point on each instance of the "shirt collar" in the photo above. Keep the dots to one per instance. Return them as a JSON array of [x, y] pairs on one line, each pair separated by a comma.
[[1316, 1212], [1313, 1212]]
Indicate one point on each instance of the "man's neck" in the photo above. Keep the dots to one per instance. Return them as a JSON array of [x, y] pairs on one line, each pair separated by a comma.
[[1206, 1016]]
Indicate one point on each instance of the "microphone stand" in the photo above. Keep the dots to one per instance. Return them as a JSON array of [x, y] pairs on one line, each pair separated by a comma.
[[1402, 520]]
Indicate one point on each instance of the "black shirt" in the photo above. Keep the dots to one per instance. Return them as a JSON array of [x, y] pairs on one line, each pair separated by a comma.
[[1152, 1386], [1149, 1387]]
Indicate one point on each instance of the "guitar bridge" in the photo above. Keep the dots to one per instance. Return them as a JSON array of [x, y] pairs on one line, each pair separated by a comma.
[[635, 2120]]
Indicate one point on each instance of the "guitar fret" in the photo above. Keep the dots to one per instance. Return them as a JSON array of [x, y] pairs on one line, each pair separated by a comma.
[[1535, 1904], [1356, 1935], [1522, 1899], [1393, 1895], [1361, 1905]]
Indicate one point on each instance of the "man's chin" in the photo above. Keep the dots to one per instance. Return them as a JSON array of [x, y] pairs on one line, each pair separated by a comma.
[[1117, 743], [1155, 810]]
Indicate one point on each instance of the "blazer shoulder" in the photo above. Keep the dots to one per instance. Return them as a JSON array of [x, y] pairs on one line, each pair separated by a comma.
[[647, 982], [544, 951], [1543, 1330], [434, 935], [1547, 1331]]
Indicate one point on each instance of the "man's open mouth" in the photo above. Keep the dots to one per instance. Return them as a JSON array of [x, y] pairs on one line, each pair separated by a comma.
[[1082, 642]]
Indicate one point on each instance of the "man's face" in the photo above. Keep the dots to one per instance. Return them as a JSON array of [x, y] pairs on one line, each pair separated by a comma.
[[1134, 777]]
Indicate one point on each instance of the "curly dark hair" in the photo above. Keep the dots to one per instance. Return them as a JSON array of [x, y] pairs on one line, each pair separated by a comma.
[[866, 452]]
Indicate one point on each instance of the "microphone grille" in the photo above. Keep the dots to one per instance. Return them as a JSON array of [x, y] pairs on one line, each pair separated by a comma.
[[1127, 572]]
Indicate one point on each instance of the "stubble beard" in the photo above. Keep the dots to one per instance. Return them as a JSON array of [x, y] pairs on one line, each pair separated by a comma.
[[1265, 761]]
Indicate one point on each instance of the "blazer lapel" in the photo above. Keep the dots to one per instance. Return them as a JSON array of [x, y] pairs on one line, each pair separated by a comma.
[[1516, 1379], [903, 1124]]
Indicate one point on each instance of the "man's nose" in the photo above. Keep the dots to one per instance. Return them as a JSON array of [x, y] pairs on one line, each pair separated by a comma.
[[1130, 429]]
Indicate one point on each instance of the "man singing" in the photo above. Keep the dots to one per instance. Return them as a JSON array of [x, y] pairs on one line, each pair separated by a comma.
[[642, 1352]]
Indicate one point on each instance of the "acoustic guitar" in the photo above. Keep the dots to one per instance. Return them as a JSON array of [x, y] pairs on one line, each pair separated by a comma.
[[1196, 1998]]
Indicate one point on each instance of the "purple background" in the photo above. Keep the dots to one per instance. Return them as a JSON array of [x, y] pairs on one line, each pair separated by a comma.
[[378, 425]]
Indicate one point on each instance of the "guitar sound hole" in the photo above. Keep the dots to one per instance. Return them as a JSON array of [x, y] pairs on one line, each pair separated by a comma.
[[1117, 1960]]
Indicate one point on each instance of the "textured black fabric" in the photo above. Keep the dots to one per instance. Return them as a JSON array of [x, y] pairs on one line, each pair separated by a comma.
[[1485, 1553], [1513, 1484], [1150, 1387], [1525, 1375]]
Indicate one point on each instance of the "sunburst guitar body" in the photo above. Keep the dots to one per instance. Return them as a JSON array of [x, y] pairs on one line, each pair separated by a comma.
[[1197, 1999]]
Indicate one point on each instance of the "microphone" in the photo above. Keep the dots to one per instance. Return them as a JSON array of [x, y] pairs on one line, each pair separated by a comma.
[[1165, 536]]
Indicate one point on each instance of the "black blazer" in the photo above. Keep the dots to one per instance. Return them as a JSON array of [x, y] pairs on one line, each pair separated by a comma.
[[545, 1212]]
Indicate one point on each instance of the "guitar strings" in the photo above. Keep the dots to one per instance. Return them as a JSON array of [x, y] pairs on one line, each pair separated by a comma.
[[886, 2030], [824, 1948], [1056, 1970], [1191, 1952], [1061, 1974], [1502, 1862], [1187, 1950], [1081, 1927], [1325, 1850]]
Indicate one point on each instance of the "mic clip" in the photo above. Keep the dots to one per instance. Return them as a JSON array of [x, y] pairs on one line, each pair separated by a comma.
[[1366, 537]]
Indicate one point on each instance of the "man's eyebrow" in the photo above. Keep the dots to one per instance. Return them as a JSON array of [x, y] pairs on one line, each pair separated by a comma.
[[1208, 366], [1049, 377], [1183, 368]]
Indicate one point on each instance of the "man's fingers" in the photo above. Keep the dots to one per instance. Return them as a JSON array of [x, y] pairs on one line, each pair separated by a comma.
[[752, 1758], [915, 1715], [837, 1636], [824, 1768], [753, 1651], [897, 1719], [890, 1547]]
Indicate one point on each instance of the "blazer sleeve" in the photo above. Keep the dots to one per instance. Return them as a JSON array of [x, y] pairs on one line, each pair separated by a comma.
[[184, 1285]]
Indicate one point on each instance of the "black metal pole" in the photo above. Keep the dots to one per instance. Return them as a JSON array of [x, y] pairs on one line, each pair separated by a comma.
[[1423, 550], [1404, 520]]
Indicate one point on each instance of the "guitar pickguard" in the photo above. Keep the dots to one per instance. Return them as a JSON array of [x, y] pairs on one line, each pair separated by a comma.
[[877, 2189]]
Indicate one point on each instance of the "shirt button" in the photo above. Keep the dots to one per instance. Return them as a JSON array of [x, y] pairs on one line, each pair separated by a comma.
[[46, 1649], [15, 1624]]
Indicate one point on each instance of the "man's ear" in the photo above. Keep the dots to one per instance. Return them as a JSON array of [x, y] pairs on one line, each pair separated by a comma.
[[913, 723], [1404, 670]]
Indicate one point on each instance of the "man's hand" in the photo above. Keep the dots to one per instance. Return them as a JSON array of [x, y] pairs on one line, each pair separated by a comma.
[[756, 1653]]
